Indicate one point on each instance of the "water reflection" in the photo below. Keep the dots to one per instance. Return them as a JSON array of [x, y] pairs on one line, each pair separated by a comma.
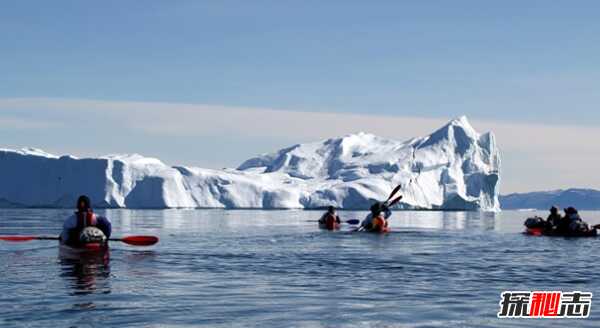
[[178, 221], [445, 220], [86, 273]]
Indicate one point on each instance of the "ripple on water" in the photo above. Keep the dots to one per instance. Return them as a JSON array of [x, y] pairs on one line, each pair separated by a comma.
[[274, 269]]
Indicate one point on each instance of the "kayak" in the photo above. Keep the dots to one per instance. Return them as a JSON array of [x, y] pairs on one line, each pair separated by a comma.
[[336, 226], [537, 226], [87, 250], [544, 232], [384, 231]]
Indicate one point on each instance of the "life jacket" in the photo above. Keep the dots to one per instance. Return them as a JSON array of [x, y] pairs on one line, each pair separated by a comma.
[[554, 219], [573, 217], [86, 219], [379, 224], [331, 222]]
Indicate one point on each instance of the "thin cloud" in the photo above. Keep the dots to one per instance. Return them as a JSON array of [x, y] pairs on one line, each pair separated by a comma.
[[175, 119], [13, 123]]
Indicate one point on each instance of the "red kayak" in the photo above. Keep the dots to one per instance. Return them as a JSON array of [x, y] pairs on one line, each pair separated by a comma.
[[87, 250], [384, 230]]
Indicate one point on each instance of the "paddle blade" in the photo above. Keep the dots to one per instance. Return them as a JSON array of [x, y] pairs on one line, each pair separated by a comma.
[[394, 192], [16, 239], [395, 201], [353, 221], [139, 240]]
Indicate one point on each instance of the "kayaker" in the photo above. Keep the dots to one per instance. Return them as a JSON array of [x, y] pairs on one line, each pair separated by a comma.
[[75, 225], [554, 219], [330, 220], [574, 221], [376, 221], [563, 224]]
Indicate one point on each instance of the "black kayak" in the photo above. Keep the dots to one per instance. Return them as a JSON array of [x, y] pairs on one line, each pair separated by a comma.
[[538, 227], [547, 232]]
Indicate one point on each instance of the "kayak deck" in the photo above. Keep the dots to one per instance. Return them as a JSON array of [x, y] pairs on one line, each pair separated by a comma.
[[323, 226], [384, 231], [89, 250]]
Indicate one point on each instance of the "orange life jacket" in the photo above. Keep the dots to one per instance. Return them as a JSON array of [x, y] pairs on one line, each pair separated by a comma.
[[379, 224], [331, 222], [86, 219]]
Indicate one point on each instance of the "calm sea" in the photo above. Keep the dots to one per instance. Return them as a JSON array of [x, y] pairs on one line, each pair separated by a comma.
[[220, 268]]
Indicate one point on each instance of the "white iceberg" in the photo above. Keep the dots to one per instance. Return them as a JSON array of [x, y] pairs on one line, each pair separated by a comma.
[[455, 168]]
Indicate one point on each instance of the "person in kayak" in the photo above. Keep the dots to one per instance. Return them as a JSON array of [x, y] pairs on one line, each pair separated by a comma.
[[74, 228], [554, 219], [376, 221], [330, 220], [573, 222]]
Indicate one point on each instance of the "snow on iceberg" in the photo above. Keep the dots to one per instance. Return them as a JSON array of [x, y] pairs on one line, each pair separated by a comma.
[[454, 168]]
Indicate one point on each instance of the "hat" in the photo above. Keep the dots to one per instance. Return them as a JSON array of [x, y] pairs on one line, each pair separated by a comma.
[[571, 210], [376, 208], [86, 203]]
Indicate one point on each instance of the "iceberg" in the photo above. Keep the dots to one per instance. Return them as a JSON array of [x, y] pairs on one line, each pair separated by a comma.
[[454, 168]]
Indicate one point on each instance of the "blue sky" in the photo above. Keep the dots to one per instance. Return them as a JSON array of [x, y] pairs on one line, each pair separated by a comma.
[[522, 62]]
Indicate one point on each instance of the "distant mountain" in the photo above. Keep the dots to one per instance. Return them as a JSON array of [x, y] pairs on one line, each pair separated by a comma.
[[455, 168], [583, 199]]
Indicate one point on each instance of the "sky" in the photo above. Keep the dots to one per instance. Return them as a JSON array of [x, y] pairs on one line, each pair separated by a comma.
[[212, 83]]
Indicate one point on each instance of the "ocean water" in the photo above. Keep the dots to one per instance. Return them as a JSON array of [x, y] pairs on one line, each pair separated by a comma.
[[240, 268]]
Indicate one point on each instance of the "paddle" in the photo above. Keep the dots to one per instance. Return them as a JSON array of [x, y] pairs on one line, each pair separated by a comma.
[[137, 240], [352, 221], [395, 201], [393, 193], [130, 240], [26, 238]]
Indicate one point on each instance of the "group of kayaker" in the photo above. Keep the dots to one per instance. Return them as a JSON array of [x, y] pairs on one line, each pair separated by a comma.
[[84, 226], [556, 224], [570, 224], [376, 220]]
